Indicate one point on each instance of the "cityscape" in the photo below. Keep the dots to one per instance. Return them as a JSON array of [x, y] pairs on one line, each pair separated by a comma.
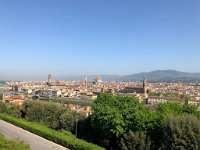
[[17, 92], [78, 96], [99, 75]]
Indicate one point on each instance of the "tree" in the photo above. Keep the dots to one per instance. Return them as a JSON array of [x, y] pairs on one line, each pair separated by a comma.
[[135, 141], [3, 107], [33, 111], [67, 120], [115, 115], [1, 96], [51, 114], [87, 132], [186, 98], [182, 132], [46, 113], [166, 110]]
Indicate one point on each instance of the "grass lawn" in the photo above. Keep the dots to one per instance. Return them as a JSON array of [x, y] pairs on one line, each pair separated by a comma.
[[6, 144]]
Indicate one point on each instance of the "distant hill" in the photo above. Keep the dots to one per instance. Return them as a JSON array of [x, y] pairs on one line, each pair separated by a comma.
[[91, 77], [153, 76], [164, 75]]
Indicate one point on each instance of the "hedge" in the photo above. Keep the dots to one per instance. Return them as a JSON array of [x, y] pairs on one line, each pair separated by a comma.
[[66, 139]]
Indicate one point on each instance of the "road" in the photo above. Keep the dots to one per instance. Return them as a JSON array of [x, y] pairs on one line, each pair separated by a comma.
[[36, 142]]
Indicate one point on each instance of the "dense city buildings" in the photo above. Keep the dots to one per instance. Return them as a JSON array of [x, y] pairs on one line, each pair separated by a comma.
[[86, 90]]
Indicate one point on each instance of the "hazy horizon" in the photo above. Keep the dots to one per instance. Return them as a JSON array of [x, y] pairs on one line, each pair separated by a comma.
[[56, 77], [67, 38]]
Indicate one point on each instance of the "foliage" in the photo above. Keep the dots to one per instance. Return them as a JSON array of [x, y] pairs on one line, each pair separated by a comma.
[[191, 109], [186, 98], [182, 132], [89, 133], [12, 145], [154, 94], [166, 110], [11, 109], [14, 110], [135, 141], [65, 138], [52, 115], [165, 94], [45, 113], [114, 115], [3, 107], [1, 96], [115, 120], [69, 101], [175, 96], [67, 121]]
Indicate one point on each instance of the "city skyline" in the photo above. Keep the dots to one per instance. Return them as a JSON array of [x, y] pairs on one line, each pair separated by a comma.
[[68, 38]]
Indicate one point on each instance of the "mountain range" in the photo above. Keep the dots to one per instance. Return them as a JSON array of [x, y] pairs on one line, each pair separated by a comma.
[[153, 76], [164, 75]]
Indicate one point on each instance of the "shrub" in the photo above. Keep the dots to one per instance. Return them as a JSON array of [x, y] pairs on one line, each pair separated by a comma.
[[1, 96], [67, 121], [182, 132], [53, 115], [66, 139], [3, 107], [135, 141]]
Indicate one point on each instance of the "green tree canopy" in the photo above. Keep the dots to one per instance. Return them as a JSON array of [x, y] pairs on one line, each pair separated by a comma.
[[165, 110], [182, 132], [1, 96], [135, 141], [114, 115]]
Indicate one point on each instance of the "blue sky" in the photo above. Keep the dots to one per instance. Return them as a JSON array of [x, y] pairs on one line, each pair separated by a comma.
[[81, 37]]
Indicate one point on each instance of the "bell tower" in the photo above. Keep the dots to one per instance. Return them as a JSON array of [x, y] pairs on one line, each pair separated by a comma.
[[49, 79], [85, 81], [145, 85]]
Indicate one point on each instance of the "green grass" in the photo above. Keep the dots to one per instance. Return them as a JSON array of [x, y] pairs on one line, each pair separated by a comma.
[[66, 139], [12, 144]]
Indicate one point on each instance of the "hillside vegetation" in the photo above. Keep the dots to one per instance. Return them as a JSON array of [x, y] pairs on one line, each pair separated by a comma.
[[117, 122]]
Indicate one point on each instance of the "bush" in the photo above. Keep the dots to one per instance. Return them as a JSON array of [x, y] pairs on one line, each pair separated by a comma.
[[3, 107], [182, 132], [66, 139], [135, 141], [53, 115], [67, 121], [1, 96], [14, 110], [45, 113]]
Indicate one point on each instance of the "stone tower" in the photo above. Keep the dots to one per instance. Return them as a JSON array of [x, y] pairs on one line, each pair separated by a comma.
[[145, 85], [49, 79], [85, 81]]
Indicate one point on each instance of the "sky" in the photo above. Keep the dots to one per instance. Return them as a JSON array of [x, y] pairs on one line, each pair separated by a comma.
[[78, 37]]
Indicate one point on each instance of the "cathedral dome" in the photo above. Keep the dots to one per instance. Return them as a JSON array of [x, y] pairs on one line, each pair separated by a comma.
[[98, 79]]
